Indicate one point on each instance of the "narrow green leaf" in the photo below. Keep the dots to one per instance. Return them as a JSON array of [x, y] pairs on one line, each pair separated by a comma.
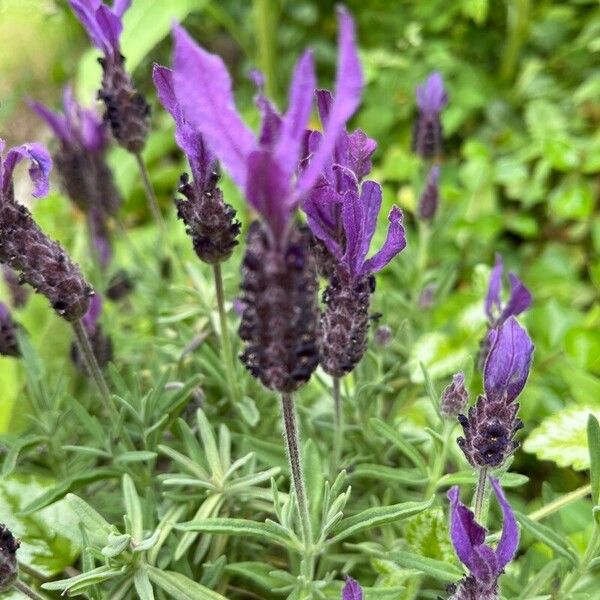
[[136, 456], [539, 581], [548, 536], [210, 444], [12, 456], [391, 474], [438, 569], [314, 480], [133, 508], [261, 574], [593, 435], [242, 527], [180, 587], [97, 527], [143, 587], [377, 516], [84, 580], [396, 438], [508, 480]]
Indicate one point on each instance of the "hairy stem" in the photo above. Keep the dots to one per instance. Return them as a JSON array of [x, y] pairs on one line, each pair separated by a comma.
[[225, 341], [480, 495], [338, 439], [25, 589], [150, 193], [292, 439], [87, 354]]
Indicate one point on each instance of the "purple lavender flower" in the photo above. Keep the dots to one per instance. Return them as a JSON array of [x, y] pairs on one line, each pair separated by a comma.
[[101, 344], [352, 590], [491, 424], [455, 397], [25, 248], [468, 537], [430, 197], [18, 293], [280, 319], [209, 220], [8, 333], [519, 300], [431, 99], [127, 111]]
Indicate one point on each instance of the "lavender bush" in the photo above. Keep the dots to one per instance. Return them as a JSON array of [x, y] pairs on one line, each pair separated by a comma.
[[291, 349]]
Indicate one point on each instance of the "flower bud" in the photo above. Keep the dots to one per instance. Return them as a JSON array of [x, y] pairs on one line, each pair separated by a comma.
[[455, 397]]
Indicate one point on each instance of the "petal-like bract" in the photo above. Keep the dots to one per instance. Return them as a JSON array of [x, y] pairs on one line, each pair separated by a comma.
[[352, 590]]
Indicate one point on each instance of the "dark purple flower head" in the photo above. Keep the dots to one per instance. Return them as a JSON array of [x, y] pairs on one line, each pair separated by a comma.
[[491, 424], [454, 397], [265, 168], [8, 333], [430, 197], [202, 161], [431, 95], [468, 537], [519, 299], [39, 169], [77, 126], [352, 590], [103, 24]]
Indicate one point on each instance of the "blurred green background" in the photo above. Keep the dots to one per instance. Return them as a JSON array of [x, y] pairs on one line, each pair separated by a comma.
[[520, 169]]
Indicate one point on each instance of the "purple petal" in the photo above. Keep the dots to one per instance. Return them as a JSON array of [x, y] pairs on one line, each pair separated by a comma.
[[393, 245], [465, 532], [352, 590], [163, 82], [266, 189], [322, 209], [93, 132], [120, 7], [431, 96], [483, 564], [353, 220], [492, 300], [295, 120], [509, 359], [110, 25], [360, 151], [509, 542], [271, 119], [370, 202], [39, 170], [55, 120], [348, 89], [203, 89], [90, 319], [324, 104], [520, 299], [85, 11]]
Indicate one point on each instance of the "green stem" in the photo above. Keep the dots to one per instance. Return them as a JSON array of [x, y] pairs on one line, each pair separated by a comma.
[[590, 553], [480, 495], [150, 195], [25, 589], [517, 26], [265, 19], [338, 440], [225, 341], [561, 502], [292, 439], [440, 459], [87, 354]]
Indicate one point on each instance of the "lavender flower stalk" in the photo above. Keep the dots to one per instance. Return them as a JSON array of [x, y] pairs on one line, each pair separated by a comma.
[[81, 164], [427, 134], [497, 313], [468, 537], [430, 197], [127, 111], [280, 318], [352, 590], [8, 333]]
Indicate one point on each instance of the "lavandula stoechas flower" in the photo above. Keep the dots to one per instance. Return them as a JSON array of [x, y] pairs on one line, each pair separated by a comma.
[[280, 318], [210, 222], [81, 163], [25, 248], [100, 343], [491, 424], [454, 397], [8, 333], [485, 564], [9, 567], [430, 197], [352, 590], [127, 111], [342, 214], [519, 300], [427, 134]]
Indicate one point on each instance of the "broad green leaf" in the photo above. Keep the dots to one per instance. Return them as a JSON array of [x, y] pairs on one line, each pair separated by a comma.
[[437, 569], [593, 436], [559, 543], [427, 535], [267, 531], [180, 587], [377, 516], [562, 438]]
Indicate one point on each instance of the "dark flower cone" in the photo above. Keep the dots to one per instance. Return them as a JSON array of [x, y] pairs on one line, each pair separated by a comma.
[[345, 323], [8, 336], [470, 588], [325, 261], [427, 136], [101, 345], [119, 286], [127, 111], [488, 432], [41, 262], [87, 180], [280, 318], [18, 293], [9, 567], [210, 222]]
